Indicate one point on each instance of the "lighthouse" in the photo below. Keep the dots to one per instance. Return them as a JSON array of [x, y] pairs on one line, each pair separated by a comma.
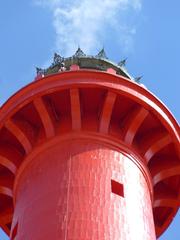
[[87, 152]]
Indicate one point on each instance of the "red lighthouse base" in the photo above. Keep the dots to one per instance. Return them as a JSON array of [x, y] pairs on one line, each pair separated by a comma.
[[87, 155], [82, 189]]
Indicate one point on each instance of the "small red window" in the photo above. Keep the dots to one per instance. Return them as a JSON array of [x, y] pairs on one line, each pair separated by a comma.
[[117, 188]]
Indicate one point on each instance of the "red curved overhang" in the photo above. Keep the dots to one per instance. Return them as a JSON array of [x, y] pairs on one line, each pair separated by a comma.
[[98, 79]]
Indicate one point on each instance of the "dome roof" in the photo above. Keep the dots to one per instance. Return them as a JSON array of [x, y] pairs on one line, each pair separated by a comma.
[[99, 62]]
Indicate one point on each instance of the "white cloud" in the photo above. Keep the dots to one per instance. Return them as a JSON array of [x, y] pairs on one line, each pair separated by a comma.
[[83, 22]]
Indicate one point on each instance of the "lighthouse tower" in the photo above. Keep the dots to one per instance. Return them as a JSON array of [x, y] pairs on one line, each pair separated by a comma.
[[87, 153]]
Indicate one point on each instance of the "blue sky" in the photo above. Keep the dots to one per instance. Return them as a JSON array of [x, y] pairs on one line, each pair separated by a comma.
[[146, 32]]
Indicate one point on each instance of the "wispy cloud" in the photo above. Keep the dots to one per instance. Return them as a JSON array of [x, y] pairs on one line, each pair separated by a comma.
[[87, 22]]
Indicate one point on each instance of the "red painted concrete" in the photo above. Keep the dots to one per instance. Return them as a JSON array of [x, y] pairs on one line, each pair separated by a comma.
[[66, 138], [65, 192]]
